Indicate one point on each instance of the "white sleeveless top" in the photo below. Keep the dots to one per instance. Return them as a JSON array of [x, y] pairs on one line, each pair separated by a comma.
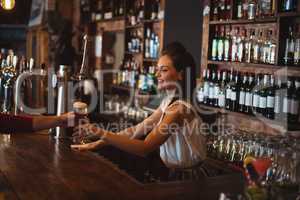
[[187, 146]]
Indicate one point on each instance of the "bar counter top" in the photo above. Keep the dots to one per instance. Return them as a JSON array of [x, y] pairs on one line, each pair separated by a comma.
[[36, 166]]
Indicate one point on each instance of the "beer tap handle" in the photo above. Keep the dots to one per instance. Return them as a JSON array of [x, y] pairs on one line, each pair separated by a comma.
[[85, 38], [31, 64]]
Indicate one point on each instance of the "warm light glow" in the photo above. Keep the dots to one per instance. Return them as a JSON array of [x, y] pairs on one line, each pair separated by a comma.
[[8, 4]]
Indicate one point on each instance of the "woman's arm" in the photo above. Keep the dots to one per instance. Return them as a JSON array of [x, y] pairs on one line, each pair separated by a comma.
[[171, 121], [45, 122]]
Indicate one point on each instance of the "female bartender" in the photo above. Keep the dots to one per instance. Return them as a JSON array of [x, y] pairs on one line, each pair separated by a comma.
[[174, 128]]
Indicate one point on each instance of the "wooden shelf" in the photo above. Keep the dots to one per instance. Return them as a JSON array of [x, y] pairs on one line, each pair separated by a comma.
[[250, 67], [140, 25], [257, 68], [242, 21], [108, 20], [288, 14], [152, 20], [150, 59]]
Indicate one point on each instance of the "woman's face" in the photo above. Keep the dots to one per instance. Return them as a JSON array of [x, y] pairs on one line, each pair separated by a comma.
[[166, 74]]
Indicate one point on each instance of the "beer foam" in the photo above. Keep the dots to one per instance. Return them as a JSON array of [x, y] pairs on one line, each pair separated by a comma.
[[79, 105]]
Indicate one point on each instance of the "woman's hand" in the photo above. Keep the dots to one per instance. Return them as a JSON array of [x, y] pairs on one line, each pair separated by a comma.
[[86, 147]]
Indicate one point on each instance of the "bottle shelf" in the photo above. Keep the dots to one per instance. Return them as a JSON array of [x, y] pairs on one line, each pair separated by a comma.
[[150, 59], [256, 68], [152, 20], [241, 21], [140, 25], [288, 14], [252, 120]]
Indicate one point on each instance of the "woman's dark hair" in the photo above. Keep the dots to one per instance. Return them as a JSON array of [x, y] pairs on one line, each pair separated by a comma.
[[183, 62]]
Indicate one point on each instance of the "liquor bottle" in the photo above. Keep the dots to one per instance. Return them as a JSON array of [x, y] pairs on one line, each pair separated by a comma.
[[249, 47], [252, 8], [249, 95], [278, 104], [222, 92], [152, 46], [234, 45], [263, 96], [256, 96], [228, 91], [147, 43], [142, 86], [221, 45], [85, 11], [265, 8], [245, 9], [140, 11], [99, 10], [217, 85], [242, 95], [235, 94], [289, 48], [211, 92], [289, 5], [287, 100], [154, 9], [240, 44], [265, 50], [214, 49], [222, 10], [256, 49], [239, 12], [108, 10], [294, 112], [151, 80], [227, 45], [216, 13], [227, 9], [297, 48], [270, 99], [272, 48], [261, 47], [205, 86]]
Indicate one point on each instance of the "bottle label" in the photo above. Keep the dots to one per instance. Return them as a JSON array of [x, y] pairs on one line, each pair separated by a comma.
[[262, 102], [270, 102], [233, 52], [228, 93], [294, 107], [245, 6], [239, 11], [277, 104], [200, 95], [206, 89], [242, 98], [211, 93], [221, 100], [240, 51], [220, 50], [233, 96], [286, 105], [217, 91], [255, 100], [248, 100], [226, 50], [214, 49]]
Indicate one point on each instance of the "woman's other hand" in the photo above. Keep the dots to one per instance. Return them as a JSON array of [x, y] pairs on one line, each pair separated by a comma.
[[88, 146]]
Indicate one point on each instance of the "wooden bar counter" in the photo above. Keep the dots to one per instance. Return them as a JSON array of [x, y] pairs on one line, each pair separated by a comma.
[[36, 166]]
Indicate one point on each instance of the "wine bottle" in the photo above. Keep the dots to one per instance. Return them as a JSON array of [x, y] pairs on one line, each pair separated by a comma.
[[228, 91], [256, 96], [217, 83], [270, 99], [221, 45], [234, 94], [294, 112], [249, 95], [211, 92], [227, 45], [206, 86], [214, 49], [263, 96], [289, 48], [242, 96], [222, 92]]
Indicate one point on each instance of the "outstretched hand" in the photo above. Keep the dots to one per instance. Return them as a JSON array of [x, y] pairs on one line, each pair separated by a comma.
[[85, 147]]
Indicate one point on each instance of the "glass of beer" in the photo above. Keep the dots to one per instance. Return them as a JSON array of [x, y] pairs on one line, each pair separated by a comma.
[[80, 111]]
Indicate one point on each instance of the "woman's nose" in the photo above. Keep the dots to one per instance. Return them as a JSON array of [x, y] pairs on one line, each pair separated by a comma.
[[157, 73]]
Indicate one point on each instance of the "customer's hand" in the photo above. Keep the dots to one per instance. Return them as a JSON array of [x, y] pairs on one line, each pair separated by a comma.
[[67, 119]]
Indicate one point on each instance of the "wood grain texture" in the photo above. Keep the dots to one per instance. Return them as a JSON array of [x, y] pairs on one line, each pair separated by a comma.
[[35, 166]]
